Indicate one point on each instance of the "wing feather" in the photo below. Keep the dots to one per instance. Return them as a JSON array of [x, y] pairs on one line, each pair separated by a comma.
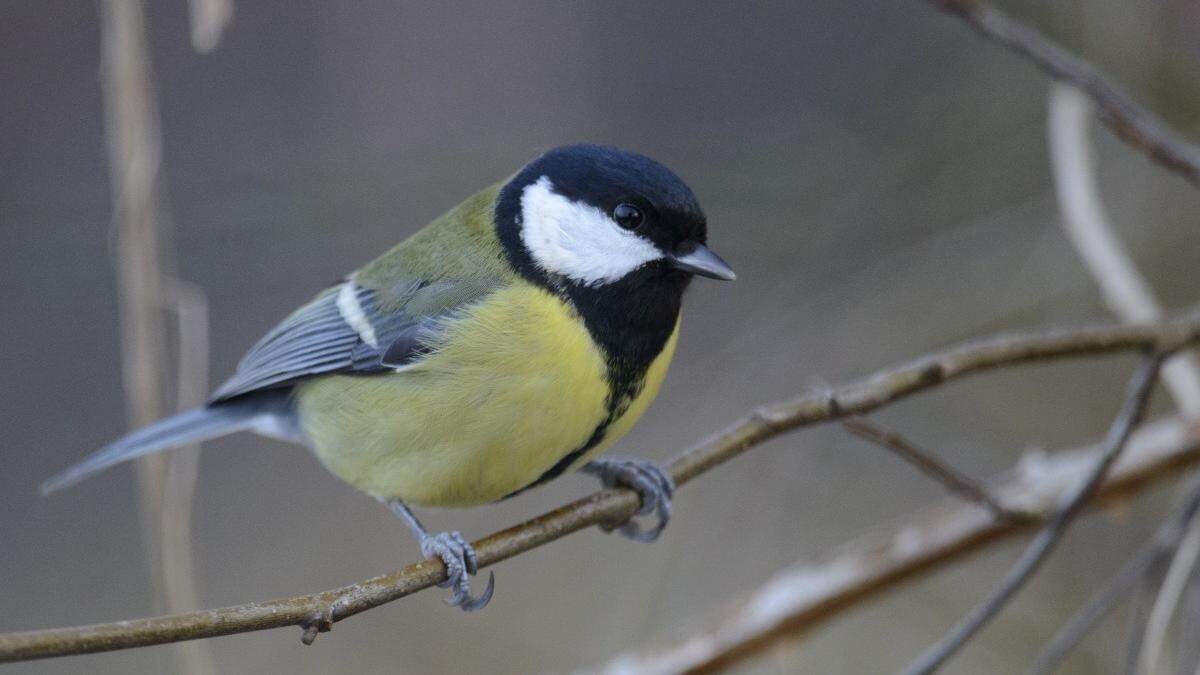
[[320, 339]]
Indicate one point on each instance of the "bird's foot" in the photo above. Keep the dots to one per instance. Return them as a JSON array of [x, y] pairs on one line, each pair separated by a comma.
[[651, 483], [460, 561]]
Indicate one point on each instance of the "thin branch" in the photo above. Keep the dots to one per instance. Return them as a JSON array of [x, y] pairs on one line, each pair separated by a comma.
[[808, 595], [1139, 612], [190, 306], [1131, 121], [209, 19], [1124, 288], [1178, 575], [1138, 397], [958, 483], [135, 159], [1127, 294], [862, 396], [133, 131], [1165, 541]]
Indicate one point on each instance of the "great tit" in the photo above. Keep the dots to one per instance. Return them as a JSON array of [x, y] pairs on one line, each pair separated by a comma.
[[513, 339]]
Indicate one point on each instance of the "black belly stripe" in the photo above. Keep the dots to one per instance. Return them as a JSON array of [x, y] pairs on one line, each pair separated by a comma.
[[615, 411], [570, 458], [630, 321]]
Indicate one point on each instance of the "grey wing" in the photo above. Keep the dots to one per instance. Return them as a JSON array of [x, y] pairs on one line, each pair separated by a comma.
[[343, 330]]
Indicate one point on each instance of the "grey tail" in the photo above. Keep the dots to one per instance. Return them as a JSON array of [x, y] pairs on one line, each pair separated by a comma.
[[192, 426]]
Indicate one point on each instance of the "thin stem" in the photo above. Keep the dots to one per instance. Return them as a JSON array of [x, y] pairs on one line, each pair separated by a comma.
[[1140, 388], [928, 464], [1132, 122], [1165, 541]]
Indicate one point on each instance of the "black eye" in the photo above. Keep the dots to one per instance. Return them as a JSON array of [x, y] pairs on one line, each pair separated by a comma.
[[628, 216]]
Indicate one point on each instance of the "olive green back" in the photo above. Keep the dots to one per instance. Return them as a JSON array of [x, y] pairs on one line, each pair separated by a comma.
[[458, 254]]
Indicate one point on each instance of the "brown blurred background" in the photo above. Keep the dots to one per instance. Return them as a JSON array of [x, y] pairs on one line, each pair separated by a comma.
[[876, 174]]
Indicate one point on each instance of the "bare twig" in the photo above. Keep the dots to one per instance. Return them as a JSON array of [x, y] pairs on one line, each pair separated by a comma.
[[1125, 290], [608, 506], [1173, 586], [926, 463], [134, 137], [1135, 570], [1132, 122], [209, 18], [1127, 294], [134, 150], [803, 597], [1140, 388], [190, 306]]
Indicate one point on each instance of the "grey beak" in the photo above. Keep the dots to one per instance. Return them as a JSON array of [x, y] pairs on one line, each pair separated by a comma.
[[697, 259]]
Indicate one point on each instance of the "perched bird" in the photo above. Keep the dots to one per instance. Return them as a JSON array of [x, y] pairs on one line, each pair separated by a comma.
[[514, 338]]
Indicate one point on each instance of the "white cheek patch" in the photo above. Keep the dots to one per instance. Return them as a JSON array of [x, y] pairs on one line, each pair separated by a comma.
[[576, 240]]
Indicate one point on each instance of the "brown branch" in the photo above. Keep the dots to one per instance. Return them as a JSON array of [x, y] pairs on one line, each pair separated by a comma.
[[1132, 122], [928, 464], [865, 395], [809, 595], [1136, 401]]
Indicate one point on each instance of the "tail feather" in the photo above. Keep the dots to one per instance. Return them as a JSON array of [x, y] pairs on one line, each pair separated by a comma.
[[191, 426]]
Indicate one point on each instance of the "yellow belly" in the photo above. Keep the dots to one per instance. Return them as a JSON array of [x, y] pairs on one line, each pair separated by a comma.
[[515, 384]]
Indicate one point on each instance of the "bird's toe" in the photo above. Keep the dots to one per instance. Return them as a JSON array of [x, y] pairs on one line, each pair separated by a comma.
[[653, 485], [461, 562]]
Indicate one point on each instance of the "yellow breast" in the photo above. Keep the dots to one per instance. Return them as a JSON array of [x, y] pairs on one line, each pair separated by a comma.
[[514, 385]]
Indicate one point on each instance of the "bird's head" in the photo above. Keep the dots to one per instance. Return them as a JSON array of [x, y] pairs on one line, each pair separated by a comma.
[[592, 215]]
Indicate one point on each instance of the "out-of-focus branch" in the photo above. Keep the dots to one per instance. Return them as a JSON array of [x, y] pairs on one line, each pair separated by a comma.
[[134, 138], [862, 396], [1156, 552], [1127, 294], [135, 157], [926, 463], [134, 151], [1136, 401], [1124, 288], [190, 306], [1131, 121], [209, 18], [1178, 576], [804, 597]]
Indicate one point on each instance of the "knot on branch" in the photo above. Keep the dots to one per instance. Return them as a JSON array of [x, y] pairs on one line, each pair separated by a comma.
[[320, 621]]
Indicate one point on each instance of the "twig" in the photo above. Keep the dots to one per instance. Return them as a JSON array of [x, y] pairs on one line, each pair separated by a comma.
[[1138, 397], [1132, 122], [1173, 586], [190, 306], [928, 464], [1127, 294], [134, 139], [1125, 290], [135, 161], [1139, 612], [209, 18], [1135, 570], [803, 597], [609, 506]]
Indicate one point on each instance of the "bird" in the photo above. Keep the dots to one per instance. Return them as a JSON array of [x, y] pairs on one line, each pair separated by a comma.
[[513, 339]]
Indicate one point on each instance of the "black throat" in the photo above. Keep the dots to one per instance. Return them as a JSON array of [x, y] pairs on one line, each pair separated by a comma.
[[630, 320]]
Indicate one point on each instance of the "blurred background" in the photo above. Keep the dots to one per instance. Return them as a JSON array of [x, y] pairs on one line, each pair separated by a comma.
[[877, 175]]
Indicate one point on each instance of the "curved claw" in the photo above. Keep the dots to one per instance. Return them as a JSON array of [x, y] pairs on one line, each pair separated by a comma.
[[651, 483], [472, 604], [459, 558]]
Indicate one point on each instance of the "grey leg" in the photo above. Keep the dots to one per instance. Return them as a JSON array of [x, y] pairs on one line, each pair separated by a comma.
[[457, 555], [651, 483]]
